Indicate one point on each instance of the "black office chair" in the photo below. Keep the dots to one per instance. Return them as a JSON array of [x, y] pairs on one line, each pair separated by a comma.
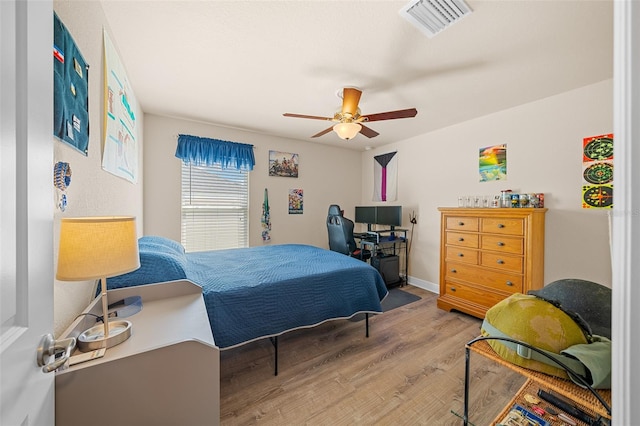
[[341, 233]]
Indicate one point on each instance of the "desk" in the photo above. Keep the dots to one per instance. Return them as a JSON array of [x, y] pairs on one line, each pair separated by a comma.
[[388, 242]]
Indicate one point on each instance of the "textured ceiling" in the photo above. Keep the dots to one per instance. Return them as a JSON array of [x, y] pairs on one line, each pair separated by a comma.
[[242, 64]]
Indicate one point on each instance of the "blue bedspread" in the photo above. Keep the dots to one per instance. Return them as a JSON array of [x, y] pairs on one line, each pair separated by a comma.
[[257, 292]]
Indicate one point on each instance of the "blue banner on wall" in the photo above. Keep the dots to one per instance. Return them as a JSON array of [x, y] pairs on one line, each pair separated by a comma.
[[71, 90]]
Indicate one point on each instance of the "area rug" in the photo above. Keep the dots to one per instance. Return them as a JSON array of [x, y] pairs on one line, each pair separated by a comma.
[[394, 299]]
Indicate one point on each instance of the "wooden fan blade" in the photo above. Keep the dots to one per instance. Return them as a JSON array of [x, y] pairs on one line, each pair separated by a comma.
[[313, 117], [350, 100], [368, 132], [392, 115], [324, 132]]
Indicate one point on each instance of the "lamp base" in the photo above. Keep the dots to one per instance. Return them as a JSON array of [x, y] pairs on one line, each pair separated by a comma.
[[93, 338]]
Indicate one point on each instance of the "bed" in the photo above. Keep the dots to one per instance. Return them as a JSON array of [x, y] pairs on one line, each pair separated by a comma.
[[259, 292]]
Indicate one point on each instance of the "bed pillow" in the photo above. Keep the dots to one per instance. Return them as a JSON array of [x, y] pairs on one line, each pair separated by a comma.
[[161, 259], [161, 243]]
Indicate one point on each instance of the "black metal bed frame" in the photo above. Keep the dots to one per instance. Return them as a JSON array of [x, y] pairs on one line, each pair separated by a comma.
[[274, 342]]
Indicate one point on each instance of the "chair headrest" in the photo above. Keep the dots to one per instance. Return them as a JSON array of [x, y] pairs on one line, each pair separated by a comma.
[[334, 210]]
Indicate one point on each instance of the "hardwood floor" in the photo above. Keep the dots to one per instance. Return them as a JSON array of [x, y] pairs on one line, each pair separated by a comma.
[[410, 371]]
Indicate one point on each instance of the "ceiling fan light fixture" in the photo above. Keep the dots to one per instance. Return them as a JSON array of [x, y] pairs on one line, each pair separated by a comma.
[[347, 131]]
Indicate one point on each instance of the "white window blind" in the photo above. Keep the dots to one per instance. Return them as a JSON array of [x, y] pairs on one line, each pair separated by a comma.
[[215, 208]]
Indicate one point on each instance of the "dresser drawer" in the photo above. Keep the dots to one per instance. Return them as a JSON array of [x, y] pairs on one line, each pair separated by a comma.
[[507, 226], [503, 281], [462, 223], [502, 244], [462, 239], [501, 261], [461, 254], [473, 294]]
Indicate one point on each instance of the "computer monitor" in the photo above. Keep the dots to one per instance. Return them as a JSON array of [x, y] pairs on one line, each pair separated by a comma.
[[389, 215], [366, 214], [379, 215]]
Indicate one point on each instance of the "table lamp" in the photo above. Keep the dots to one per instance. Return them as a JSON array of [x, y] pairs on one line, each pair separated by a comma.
[[97, 248]]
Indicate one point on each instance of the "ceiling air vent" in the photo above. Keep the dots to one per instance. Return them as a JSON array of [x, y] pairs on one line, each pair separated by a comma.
[[433, 16]]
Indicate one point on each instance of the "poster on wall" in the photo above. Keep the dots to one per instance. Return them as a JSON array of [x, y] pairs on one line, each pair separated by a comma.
[[120, 156], [70, 90], [597, 172], [283, 164], [295, 201], [385, 177], [493, 163]]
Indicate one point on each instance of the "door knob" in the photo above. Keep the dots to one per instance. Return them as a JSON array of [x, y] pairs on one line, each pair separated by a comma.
[[59, 349]]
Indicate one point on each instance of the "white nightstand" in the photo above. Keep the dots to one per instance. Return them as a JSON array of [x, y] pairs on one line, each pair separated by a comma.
[[166, 373]]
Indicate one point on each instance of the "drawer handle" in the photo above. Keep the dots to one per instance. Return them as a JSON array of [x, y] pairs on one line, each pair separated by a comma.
[[500, 244], [460, 239], [453, 289], [460, 254], [509, 283], [454, 271], [500, 225], [460, 223], [500, 262]]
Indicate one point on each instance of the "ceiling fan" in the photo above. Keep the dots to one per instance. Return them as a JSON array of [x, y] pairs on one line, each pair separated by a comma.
[[349, 120]]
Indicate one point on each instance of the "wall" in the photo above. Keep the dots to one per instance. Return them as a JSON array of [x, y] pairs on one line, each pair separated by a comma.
[[544, 146], [93, 191], [327, 175]]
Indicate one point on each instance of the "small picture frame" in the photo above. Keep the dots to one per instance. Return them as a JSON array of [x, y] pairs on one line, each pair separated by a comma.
[[283, 164]]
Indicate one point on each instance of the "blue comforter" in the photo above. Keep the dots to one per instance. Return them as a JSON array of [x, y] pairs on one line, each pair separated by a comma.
[[257, 292]]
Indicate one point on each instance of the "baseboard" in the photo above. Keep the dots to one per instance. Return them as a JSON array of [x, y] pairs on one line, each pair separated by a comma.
[[425, 285]]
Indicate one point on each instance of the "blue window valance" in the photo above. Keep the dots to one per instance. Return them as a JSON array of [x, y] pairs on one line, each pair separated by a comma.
[[207, 152]]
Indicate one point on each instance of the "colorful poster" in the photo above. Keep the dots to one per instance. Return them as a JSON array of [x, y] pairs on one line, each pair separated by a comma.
[[120, 156], [70, 90], [295, 201], [597, 172], [283, 164], [385, 177], [493, 163]]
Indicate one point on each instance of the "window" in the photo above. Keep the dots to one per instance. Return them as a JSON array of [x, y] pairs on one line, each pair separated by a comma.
[[215, 208]]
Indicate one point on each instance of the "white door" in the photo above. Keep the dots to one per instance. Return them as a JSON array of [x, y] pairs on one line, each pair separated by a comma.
[[26, 209]]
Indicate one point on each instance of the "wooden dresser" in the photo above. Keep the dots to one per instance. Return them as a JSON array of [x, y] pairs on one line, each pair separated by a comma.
[[486, 254]]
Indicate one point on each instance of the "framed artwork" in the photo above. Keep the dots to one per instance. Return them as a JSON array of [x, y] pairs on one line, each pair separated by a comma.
[[295, 201], [493, 163], [70, 90], [283, 164]]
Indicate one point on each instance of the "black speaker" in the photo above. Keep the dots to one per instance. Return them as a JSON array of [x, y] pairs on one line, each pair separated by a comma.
[[389, 268]]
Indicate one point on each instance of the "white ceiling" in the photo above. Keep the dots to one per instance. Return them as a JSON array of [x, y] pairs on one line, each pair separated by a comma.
[[242, 64]]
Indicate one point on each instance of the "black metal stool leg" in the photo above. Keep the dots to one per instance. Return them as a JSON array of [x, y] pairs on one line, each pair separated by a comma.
[[467, 358]]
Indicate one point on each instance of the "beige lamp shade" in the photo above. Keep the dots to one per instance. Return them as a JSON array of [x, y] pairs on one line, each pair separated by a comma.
[[347, 130], [97, 247]]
